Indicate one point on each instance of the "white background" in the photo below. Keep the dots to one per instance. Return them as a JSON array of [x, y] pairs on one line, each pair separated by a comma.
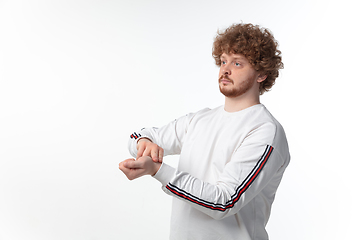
[[77, 77]]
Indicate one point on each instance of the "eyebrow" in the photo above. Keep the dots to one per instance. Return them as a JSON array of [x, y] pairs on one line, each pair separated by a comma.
[[239, 58], [235, 58]]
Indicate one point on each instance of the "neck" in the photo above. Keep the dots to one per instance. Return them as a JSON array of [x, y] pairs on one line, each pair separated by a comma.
[[241, 102]]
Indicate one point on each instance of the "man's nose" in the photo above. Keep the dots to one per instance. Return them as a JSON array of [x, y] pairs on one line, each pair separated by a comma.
[[226, 70]]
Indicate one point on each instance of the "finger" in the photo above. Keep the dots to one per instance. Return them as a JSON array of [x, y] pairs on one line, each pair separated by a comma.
[[131, 173], [132, 164], [161, 154], [155, 154], [123, 168], [123, 163], [147, 152], [140, 152]]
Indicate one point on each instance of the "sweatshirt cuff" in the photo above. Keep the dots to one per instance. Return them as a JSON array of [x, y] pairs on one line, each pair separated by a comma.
[[165, 174]]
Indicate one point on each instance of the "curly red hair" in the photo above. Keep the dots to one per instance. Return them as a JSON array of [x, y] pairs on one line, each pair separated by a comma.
[[256, 44]]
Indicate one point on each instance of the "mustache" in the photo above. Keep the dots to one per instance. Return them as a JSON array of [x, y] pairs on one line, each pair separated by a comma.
[[225, 77]]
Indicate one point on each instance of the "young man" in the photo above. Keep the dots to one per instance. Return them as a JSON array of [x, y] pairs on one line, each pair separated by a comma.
[[232, 158]]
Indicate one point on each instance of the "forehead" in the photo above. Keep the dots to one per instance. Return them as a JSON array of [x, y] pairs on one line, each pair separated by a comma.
[[233, 56]]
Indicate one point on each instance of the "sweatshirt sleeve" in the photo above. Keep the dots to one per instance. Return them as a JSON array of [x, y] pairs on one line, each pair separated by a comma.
[[170, 137], [251, 169]]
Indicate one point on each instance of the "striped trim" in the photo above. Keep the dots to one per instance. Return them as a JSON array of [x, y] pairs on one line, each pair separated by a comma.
[[135, 135], [238, 193]]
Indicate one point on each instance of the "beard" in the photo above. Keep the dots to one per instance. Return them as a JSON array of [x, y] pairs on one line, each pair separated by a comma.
[[235, 91]]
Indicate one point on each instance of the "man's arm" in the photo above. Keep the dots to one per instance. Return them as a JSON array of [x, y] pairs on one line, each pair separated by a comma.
[[254, 166], [240, 182], [243, 178], [159, 142]]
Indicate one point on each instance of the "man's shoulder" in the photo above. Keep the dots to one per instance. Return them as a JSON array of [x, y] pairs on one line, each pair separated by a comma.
[[203, 112], [264, 115], [275, 129]]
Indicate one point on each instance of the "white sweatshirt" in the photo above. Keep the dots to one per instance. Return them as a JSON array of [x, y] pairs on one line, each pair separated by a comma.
[[229, 169]]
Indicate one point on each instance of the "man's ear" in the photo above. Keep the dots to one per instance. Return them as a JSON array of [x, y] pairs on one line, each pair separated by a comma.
[[261, 78]]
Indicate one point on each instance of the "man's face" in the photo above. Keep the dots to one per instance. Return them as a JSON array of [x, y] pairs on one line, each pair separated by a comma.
[[236, 75]]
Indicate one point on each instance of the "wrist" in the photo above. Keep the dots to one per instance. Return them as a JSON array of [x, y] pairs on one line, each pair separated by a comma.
[[157, 167], [143, 139]]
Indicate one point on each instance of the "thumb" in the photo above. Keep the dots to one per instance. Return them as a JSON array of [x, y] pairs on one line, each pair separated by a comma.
[[131, 163], [140, 151]]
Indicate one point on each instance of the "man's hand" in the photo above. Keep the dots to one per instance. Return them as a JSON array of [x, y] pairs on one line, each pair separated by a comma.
[[147, 148], [136, 168]]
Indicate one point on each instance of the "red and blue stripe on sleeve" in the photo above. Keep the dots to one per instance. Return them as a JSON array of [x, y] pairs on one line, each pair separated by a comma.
[[238, 193]]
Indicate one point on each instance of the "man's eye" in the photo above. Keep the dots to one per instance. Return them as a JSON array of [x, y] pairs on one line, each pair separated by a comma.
[[223, 62], [237, 64]]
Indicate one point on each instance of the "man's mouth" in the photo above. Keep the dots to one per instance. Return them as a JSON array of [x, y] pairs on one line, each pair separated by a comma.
[[225, 80]]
